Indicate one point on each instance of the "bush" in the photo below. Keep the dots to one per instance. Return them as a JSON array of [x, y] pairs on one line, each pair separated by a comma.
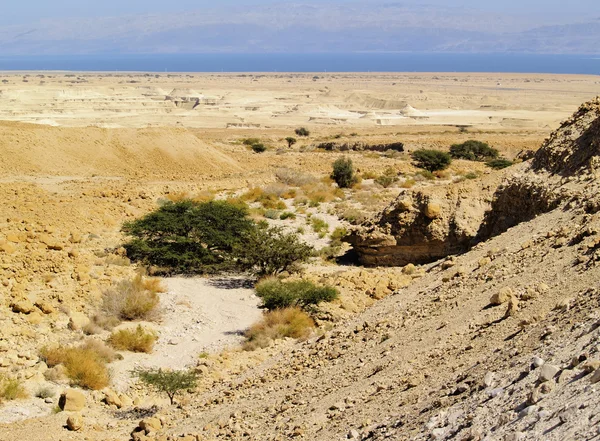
[[259, 148], [431, 160], [138, 340], [85, 367], [473, 151], [189, 237], [319, 225], [275, 325], [272, 214], [287, 215], [302, 132], [166, 381], [45, 392], [270, 251], [276, 294], [11, 389], [135, 299], [499, 164], [250, 141], [294, 178], [343, 173], [388, 178]]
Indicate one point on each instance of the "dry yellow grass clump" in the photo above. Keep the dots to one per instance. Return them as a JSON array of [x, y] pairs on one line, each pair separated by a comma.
[[11, 389], [134, 340], [278, 324], [135, 299], [85, 365]]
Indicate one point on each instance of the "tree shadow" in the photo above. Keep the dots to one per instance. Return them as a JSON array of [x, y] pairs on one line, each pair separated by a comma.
[[232, 283]]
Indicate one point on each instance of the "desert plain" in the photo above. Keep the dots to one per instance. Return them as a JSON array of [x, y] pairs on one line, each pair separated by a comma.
[[408, 351]]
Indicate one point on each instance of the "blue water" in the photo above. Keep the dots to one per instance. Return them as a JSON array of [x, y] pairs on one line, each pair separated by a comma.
[[350, 62]]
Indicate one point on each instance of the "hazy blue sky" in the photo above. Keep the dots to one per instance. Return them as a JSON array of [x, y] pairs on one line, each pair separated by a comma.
[[20, 11]]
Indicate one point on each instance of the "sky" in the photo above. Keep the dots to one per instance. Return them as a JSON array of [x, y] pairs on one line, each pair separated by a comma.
[[23, 11]]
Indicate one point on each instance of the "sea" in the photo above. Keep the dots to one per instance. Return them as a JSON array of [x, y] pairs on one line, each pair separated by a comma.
[[314, 62]]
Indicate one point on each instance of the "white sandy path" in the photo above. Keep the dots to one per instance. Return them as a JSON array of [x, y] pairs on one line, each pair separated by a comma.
[[198, 315]]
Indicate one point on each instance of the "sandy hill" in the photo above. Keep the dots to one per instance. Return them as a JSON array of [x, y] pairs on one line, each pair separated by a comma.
[[152, 153]]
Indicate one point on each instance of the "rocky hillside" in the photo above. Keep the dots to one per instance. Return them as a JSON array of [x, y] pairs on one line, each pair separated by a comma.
[[497, 343]]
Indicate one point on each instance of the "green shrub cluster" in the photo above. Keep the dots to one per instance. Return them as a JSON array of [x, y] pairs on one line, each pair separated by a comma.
[[343, 173], [302, 132], [431, 160], [388, 178], [473, 151], [499, 164], [276, 294]]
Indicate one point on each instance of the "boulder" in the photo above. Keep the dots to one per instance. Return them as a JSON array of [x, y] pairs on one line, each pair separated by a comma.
[[75, 422], [71, 400]]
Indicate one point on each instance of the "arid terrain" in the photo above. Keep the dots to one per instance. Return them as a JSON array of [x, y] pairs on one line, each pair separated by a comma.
[[468, 305]]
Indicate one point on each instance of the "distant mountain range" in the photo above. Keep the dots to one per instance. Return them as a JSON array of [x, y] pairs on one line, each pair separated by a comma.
[[303, 27]]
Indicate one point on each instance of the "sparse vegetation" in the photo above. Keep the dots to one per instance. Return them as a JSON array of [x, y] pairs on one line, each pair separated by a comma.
[[270, 251], [343, 173], [287, 215], [167, 381], [473, 151], [291, 141], [259, 148], [85, 366], [11, 389], [276, 294], [499, 164], [133, 340], [135, 299], [302, 132], [278, 324], [431, 160], [388, 178]]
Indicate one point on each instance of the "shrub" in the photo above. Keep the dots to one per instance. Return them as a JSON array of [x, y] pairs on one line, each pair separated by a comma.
[[354, 216], [188, 237], [270, 251], [408, 183], [11, 389], [275, 325], [271, 214], [473, 151], [250, 141], [135, 299], [45, 392], [343, 173], [471, 175], [319, 225], [276, 294], [259, 148], [339, 234], [133, 340], [302, 132], [287, 215], [499, 164], [291, 141], [369, 175], [84, 366], [166, 381], [431, 160], [388, 178], [268, 198], [294, 177]]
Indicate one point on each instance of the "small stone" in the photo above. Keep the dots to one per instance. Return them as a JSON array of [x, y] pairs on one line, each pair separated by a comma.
[[78, 321], [150, 425], [538, 362], [528, 411], [595, 378], [501, 297], [112, 399], [488, 380], [354, 434], [75, 423], [547, 372], [433, 210], [23, 307]]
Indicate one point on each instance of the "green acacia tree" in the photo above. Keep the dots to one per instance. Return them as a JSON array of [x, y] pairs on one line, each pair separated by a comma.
[[291, 141], [189, 237], [167, 381]]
